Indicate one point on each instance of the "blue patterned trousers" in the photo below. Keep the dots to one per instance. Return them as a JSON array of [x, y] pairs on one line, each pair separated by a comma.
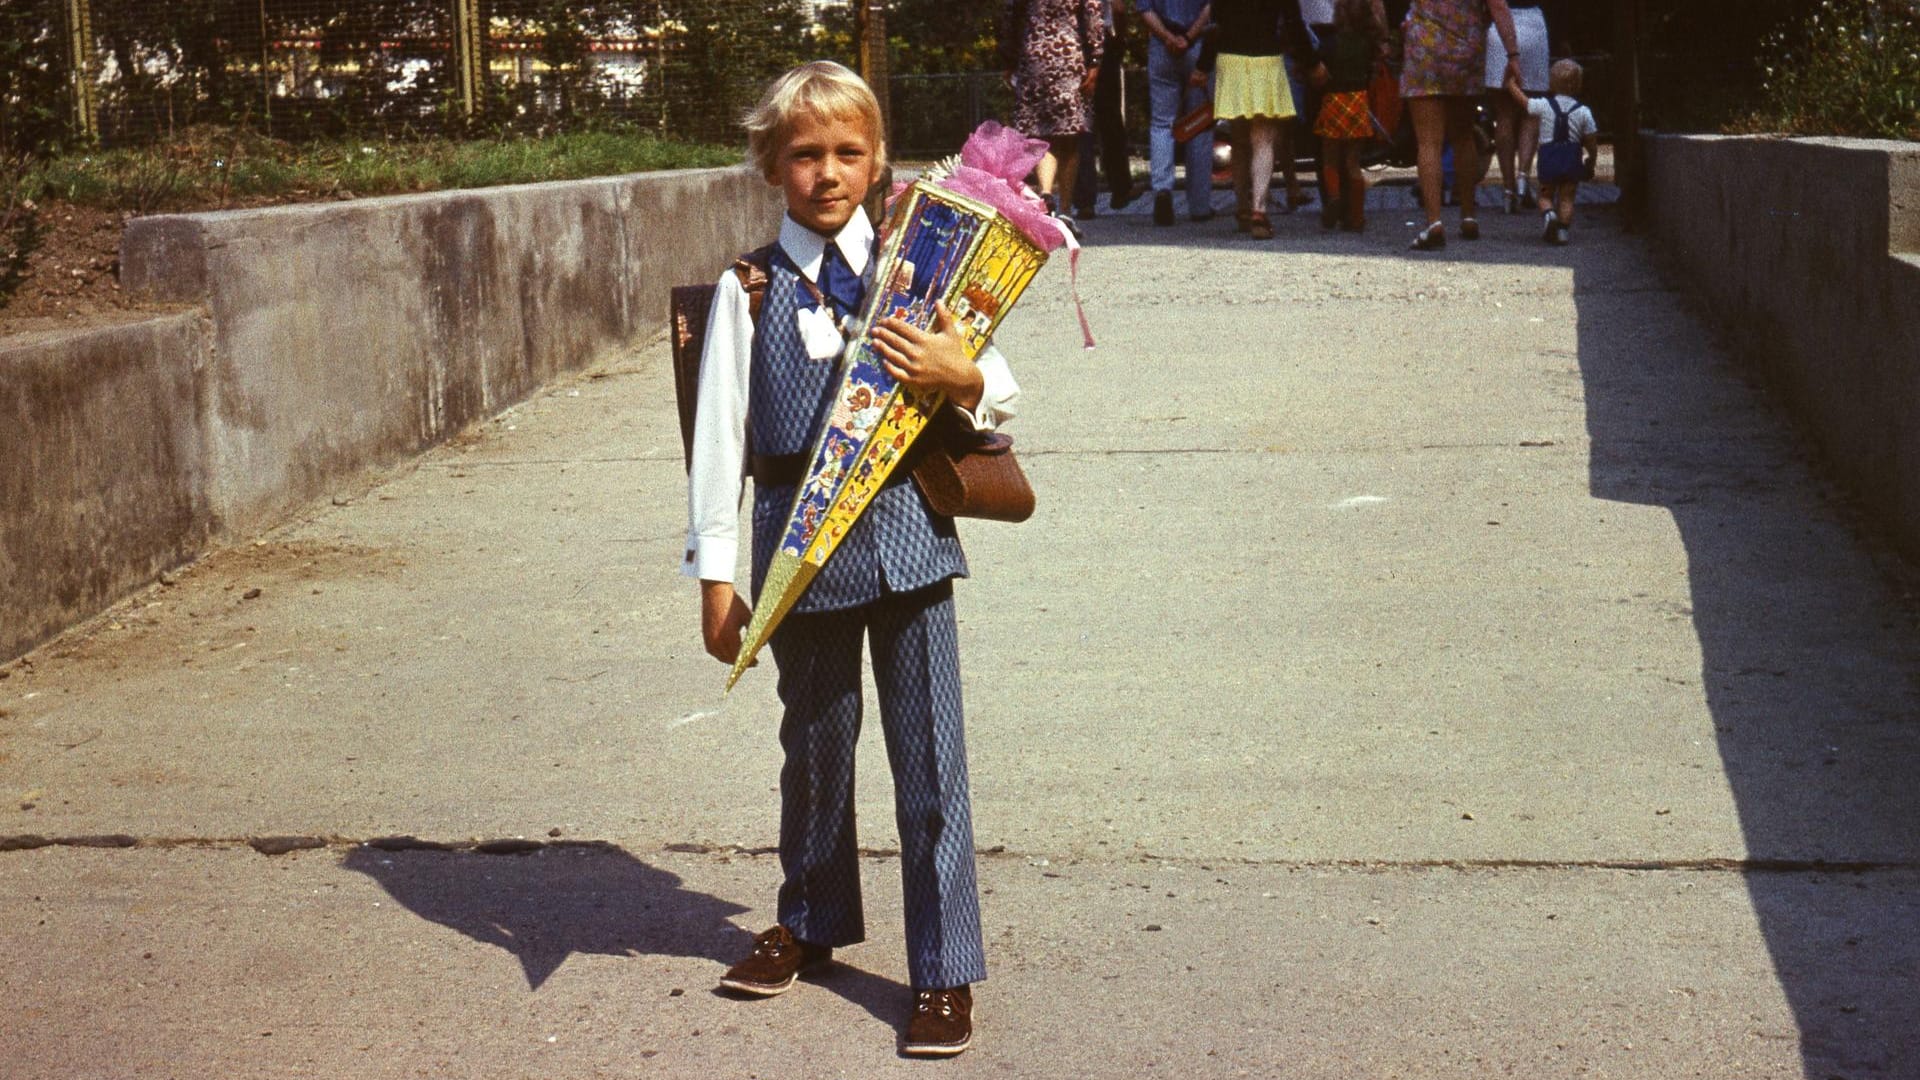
[[916, 669]]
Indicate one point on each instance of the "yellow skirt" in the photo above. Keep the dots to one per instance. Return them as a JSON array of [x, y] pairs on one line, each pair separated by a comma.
[[1250, 86]]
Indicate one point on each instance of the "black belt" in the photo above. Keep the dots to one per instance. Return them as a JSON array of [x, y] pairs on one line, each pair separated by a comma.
[[776, 470], [786, 470]]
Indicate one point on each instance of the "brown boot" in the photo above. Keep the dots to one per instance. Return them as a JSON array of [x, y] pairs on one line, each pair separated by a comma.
[[941, 1024], [776, 960]]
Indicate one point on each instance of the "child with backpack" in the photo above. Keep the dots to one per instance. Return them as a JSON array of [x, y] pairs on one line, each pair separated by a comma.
[[1569, 145], [768, 372]]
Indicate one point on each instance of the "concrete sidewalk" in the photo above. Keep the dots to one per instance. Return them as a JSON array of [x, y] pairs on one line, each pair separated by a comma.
[[1418, 667]]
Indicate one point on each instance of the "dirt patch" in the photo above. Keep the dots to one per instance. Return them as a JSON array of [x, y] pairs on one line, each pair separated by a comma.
[[72, 276]]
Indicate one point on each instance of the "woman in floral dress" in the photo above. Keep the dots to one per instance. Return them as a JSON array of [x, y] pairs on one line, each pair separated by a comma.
[[1444, 72], [1051, 50]]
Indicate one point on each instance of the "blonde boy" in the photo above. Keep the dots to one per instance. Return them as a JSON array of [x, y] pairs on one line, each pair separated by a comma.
[[1569, 142], [764, 383]]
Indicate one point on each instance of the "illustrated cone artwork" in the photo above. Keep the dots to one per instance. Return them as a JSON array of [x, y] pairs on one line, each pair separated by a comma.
[[969, 235]]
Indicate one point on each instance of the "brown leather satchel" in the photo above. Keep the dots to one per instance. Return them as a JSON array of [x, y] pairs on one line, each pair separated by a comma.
[[968, 473], [689, 306]]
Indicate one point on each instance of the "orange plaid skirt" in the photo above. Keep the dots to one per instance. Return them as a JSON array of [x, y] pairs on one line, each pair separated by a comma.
[[1344, 115]]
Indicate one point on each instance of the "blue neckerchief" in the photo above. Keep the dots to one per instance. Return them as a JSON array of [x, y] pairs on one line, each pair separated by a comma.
[[842, 286]]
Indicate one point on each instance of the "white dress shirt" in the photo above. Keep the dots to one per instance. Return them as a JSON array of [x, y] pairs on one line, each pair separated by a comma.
[[718, 477]]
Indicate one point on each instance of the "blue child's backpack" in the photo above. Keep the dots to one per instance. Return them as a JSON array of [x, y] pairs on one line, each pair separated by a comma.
[[1560, 158]]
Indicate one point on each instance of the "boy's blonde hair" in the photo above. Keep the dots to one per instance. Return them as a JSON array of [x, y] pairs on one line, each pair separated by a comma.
[[822, 89], [1565, 78]]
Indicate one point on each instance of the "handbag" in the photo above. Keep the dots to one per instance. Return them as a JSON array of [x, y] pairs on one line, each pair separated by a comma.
[[1197, 121], [968, 473]]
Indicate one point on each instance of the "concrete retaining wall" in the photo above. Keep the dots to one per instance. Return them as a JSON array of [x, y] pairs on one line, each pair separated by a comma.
[[359, 333], [320, 340], [1808, 251], [102, 469]]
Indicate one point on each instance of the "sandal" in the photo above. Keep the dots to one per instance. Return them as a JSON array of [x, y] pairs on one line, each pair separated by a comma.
[[1431, 238], [1261, 228], [1469, 228]]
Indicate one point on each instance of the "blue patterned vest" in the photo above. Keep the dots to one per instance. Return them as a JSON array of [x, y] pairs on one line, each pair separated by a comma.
[[899, 544]]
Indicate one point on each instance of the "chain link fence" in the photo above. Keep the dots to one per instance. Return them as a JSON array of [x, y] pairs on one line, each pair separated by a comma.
[[127, 72]]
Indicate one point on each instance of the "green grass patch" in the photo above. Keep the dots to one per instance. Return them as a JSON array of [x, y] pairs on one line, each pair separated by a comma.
[[206, 168]]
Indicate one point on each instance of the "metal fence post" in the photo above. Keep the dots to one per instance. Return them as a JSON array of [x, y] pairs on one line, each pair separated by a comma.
[[871, 23], [873, 56], [266, 72], [86, 112], [1629, 171], [469, 56]]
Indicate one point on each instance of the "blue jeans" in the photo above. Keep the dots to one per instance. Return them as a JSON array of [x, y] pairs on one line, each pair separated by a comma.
[[1171, 99]]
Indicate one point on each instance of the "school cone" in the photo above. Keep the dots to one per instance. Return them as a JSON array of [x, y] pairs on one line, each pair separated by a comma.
[[939, 246]]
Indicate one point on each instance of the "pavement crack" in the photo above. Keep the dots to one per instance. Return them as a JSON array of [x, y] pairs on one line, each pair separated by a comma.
[[1712, 865], [516, 845]]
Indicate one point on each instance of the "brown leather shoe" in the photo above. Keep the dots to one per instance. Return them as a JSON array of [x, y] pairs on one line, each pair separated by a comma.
[[776, 960], [941, 1024]]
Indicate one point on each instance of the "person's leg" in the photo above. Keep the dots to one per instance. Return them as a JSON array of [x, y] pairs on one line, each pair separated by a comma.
[[1242, 160], [1264, 134], [916, 669], [1200, 147], [1563, 200], [1506, 130], [1064, 150], [818, 655], [1086, 189], [1466, 162], [1506, 121], [1282, 151], [1529, 144], [1165, 92], [1429, 134], [1110, 128], [1353, 182]]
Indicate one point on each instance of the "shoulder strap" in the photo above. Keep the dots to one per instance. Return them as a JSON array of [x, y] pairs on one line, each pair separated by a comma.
[[1562, 126], [752, 269]]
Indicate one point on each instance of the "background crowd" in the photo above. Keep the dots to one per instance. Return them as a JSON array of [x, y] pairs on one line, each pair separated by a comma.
[[1293, 80]]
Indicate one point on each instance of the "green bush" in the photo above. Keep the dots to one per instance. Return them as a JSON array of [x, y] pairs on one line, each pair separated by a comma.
[[1852, 67]]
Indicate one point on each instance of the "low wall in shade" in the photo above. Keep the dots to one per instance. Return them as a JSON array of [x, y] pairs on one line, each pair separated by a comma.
[[317, 341], [1808, 252], [102, 468], [353, 334]]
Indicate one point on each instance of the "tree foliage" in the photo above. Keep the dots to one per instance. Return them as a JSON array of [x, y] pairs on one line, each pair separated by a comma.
[[1850, 67], [318, 68], [33, 92], [925, 37]]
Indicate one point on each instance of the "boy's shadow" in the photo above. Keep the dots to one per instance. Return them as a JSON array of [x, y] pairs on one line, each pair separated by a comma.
[[545, 905]]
